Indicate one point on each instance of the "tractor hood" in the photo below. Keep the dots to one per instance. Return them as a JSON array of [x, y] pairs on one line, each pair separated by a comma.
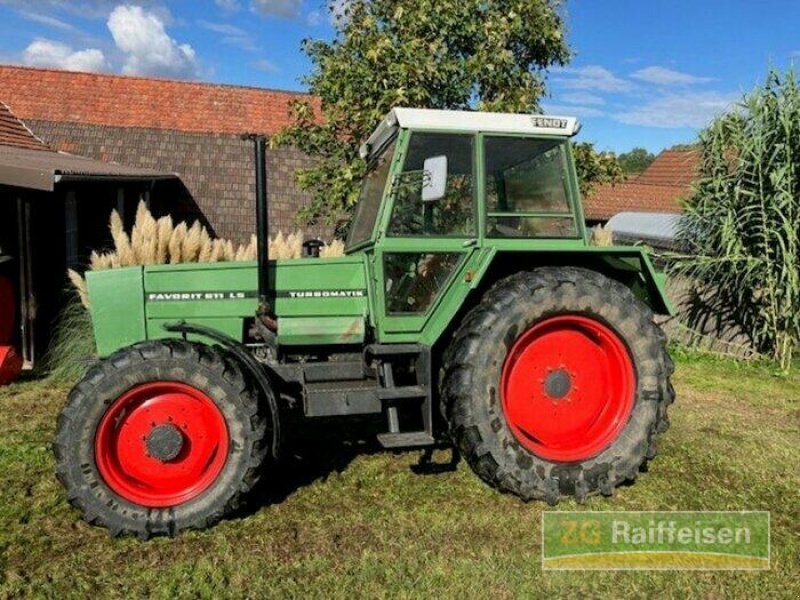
[[317, 301]]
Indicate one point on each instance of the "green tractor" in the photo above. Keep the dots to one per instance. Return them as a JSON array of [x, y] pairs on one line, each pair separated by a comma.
[[469, 308]]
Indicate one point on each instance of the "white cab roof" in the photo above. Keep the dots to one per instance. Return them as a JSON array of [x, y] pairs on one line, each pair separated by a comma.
[[469, 121]]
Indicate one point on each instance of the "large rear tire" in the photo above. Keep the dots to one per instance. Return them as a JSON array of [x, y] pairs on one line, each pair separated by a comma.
[[557, 384], [160, 437]]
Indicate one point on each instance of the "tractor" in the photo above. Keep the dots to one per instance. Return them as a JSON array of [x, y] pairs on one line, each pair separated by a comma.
[[469, 309]]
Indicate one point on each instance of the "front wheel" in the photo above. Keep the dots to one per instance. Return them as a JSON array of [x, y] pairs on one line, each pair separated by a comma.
[[160, 437], [557, 384]]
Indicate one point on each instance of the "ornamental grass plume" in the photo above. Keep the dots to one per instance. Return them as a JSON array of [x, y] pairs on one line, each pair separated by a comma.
[[159, 241]]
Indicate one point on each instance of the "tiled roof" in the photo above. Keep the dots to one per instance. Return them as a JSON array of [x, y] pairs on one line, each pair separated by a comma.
[[659, 189], [671, 167], [101, 99], [13, 132]]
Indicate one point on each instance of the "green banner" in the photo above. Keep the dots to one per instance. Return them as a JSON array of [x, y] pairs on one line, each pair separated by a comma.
[[655, 540]]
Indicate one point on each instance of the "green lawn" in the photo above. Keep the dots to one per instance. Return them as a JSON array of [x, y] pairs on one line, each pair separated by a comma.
[[335, 525]]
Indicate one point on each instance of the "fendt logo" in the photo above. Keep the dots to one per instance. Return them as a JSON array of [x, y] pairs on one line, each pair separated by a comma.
[[549, 123]]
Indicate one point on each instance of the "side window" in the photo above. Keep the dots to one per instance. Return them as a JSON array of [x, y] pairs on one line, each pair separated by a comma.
[[527, 190], [414, 280], [454, 214]]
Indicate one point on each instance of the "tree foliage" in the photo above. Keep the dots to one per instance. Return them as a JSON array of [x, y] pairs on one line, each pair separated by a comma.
[[742, 229], [635, 161], [485, 54], [595, 167]]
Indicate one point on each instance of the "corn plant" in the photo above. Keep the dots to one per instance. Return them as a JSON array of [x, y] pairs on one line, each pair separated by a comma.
[[741, 228]]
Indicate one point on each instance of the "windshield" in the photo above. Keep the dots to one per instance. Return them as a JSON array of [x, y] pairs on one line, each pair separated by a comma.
[[369, 202]]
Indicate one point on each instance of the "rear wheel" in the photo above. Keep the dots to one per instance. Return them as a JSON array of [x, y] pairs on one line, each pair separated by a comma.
[[161, 437], [556, 384]]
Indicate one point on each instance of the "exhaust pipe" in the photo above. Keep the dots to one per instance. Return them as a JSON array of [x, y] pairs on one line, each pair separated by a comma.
[[262, 219], [262, 224]]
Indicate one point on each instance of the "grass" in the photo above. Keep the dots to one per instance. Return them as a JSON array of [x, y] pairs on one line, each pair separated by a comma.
[[337, 524]]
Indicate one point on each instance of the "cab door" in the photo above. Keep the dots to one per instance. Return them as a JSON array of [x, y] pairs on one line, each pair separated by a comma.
[[424, 245]]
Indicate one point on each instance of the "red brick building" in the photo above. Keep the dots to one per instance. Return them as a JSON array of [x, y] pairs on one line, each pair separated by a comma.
[[192, 129], [660, 188]]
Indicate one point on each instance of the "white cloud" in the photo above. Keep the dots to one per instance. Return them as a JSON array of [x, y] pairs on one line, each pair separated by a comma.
[[48, 21], [339, 10], [664, 76], [147, 47], [231, 35], [289, 9], [582, 112], [47, 53], [584, 98], [265, 65], [693, 110], [94, 9], [313, 18], [591, 77], [228, 5]]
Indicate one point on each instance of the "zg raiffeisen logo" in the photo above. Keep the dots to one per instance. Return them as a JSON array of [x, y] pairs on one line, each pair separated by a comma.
[[656, 540]]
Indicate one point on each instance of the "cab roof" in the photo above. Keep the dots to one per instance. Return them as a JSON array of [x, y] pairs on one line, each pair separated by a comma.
[[468, 122]]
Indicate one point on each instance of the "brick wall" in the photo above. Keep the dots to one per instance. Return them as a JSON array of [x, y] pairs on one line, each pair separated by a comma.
[[217, 170]]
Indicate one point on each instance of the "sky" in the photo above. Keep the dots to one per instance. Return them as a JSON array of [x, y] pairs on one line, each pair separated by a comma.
[[645, 73]]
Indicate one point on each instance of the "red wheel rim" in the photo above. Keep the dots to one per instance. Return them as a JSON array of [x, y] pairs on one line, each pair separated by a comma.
[[161, 444], [8, 312], [568, 388]]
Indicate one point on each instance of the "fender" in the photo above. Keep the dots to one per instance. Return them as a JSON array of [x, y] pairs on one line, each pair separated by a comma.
[[259, 372], [630, 265]]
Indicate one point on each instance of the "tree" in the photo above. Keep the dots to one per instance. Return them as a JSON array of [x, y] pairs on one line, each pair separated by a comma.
[[741, 232], [636, 161], [595, 167], [454, 54]]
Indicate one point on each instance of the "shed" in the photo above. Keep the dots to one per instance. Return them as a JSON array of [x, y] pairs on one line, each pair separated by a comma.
[[54, 208]]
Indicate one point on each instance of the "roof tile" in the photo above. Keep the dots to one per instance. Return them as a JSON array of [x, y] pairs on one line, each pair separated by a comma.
[[659, 189], [14, 133], [102, 99]]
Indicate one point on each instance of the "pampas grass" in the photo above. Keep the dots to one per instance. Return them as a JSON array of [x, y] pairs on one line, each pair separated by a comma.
[[159, 242], [602, 236], [73, 345]]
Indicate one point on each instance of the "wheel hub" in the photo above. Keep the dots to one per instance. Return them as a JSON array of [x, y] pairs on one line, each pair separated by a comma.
[[165, 442], [558, 384]]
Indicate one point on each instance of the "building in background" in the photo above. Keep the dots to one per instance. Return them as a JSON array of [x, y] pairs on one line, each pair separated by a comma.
[[189, 128], [54, 210], [659, 189]]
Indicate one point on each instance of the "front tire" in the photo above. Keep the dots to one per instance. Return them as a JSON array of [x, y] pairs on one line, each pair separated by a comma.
[[160, 437], [557, 384]]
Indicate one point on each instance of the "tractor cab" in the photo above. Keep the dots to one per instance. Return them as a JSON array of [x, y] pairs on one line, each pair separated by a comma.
[[444, 190], [467, 176]]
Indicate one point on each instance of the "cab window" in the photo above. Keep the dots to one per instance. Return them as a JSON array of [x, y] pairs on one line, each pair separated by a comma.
[[527, 188], [453, 214], [369, 201]]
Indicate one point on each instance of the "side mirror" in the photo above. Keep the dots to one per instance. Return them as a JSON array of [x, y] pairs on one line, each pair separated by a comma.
[[434, 179]]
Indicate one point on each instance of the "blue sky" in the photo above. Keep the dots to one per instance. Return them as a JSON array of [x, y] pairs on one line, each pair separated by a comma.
[[646, 73]]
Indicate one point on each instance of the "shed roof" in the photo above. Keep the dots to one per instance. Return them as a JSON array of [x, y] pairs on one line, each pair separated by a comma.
[[14, 133], [27, 162], [42, 170]]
